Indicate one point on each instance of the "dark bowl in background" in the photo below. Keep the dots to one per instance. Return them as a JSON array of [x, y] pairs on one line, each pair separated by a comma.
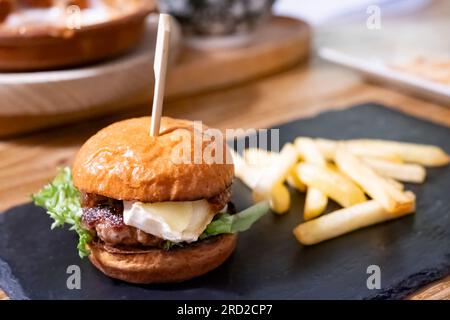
[[218, 18]]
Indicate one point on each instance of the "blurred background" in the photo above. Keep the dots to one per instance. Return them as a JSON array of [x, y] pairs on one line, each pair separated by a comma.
[[68, 60]]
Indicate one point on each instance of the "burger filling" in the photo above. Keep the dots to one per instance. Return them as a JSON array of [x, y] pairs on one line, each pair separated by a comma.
[[134, 223], [130, 226]]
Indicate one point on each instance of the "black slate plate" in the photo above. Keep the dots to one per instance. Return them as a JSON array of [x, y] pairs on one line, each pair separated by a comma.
[[268, 263]]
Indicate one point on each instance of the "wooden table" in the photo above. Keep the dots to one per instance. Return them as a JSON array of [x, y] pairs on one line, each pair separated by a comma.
[[28, 162]]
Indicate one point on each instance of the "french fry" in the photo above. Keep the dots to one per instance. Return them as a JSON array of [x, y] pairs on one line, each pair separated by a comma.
[[293, 180], [280, 199], [427, 155], [260, 158], [252, 170], [238, 161], [309, 151], [392, 158], [346, 220], [404, 172], [332, 183], [326, 145], [275, 174], [376, 186], [329, 147], [249, 175], [315, 203], [395, 183]]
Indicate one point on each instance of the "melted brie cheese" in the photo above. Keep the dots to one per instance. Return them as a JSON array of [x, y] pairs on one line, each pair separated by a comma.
[[182, 221]]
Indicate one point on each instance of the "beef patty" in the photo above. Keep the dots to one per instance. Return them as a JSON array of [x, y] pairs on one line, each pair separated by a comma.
[[104, 216]]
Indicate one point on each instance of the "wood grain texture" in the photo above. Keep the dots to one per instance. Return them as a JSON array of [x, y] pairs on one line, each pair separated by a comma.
[[276, 46], [439, 290]]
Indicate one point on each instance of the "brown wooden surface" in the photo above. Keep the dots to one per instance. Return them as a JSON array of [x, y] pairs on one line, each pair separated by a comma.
[[27, 162], [276, 46]]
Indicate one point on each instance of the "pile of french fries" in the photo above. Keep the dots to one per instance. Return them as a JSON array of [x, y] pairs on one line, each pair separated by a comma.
[[363, 176]]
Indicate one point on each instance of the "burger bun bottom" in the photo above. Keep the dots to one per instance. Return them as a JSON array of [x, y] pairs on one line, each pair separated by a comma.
[[163, 266]]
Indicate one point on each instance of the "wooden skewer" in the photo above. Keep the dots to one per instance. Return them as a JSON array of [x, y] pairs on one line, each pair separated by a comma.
[[160, 68]]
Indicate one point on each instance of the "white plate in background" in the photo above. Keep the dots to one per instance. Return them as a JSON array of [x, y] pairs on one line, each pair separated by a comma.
[[380, 71]]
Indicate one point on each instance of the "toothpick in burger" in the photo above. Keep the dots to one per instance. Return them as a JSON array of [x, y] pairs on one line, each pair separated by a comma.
[[142, 217]]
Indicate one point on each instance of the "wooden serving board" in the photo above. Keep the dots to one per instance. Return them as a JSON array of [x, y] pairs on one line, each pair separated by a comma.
[[36, 100]]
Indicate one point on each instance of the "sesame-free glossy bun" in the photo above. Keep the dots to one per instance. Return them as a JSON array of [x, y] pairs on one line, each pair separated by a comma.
[[162, 266], [122, 161]]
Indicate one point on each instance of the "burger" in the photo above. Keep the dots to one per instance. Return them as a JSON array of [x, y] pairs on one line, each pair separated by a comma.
[[142, 215]]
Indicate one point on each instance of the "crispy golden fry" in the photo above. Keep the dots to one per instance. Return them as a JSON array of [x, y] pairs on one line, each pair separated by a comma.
[[345, 220], [238, 161], [280, 199], [394, 158], [329, 147], [260, 158], [249, 175], [315, 203], [427, 155], [309, 151], [332, 183], [404, 172], [293, 180], [276, 173], [376, 186], [395, 183], [263, 159]]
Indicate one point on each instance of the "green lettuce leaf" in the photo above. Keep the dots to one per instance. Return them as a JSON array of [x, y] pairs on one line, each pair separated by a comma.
[[227, 223], [62, 201]]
